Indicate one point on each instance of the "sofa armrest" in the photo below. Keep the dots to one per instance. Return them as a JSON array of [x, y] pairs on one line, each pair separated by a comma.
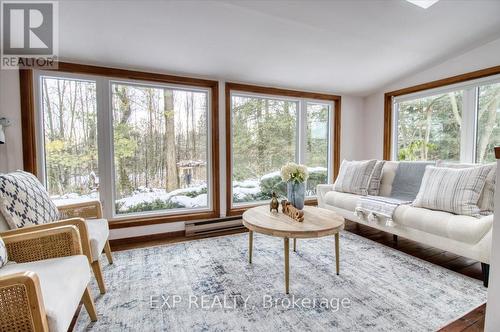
[[21, 303], [40, 244], [321, 190], [85, 210]]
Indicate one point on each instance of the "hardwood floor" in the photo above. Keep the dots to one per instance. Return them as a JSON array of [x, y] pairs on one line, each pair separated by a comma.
[[471, 322]]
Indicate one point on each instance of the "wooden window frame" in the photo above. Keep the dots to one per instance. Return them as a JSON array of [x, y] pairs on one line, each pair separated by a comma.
[[388, 97], [276, 92], [28, 124]]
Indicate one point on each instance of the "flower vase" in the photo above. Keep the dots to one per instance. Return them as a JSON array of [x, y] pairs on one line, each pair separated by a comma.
[[296, 193]]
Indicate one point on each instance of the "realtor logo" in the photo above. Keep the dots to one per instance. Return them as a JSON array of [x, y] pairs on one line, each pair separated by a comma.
[[29, 35]]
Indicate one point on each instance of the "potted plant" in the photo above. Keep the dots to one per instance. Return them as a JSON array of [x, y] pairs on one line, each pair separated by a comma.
[[295, 176]]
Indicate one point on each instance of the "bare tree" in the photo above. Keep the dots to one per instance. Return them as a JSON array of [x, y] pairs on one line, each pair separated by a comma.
[[170, 153]]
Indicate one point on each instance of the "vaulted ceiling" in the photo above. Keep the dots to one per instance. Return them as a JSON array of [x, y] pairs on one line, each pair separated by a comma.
[[351, 47]]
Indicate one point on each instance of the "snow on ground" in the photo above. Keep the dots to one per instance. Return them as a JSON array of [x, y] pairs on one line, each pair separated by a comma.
[[241, 189], [198, 201], [72, 198]]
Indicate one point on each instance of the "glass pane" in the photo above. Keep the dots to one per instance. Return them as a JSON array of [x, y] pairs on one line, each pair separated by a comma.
[[429, 127], [160, 148], [263, 140], [488, 122], [316, 156], [70, 132]]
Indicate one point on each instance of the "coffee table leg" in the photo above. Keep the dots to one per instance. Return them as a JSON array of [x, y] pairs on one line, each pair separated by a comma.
[[294, 244], [250, 246], [287, 264], [337, 253]]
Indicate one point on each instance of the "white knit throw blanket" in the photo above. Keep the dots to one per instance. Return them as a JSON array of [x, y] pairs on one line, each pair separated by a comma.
[[378, 208]]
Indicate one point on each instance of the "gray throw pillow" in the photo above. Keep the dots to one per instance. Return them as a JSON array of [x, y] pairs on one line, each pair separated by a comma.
[[452, 190], [354, 177]]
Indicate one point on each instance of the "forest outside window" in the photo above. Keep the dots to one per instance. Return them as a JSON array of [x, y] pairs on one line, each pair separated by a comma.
[[458, 123], [269, 131], [139, 147], [69, 115]]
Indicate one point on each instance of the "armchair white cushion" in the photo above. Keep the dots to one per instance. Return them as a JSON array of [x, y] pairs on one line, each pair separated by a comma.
[[98, 235], [62, 281]]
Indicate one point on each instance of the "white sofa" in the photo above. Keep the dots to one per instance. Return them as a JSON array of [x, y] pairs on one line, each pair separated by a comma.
[[463, 235]]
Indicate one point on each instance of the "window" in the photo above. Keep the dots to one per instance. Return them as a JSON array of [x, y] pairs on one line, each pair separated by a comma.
[[453, 123], [488, 122], [69, 116], [160, 148], [144, 148], [264, 136], [429, 127], [317, 156], [269, 130]]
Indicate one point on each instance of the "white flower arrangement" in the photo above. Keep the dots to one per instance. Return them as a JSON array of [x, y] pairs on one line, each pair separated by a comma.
[[294, 172]]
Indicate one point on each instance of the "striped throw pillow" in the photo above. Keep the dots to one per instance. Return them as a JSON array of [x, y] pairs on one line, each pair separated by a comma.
[[354, 177], [487, 199], [376, 177], [452, 190]]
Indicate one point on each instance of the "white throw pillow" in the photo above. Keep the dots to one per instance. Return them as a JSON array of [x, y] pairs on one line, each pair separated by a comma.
[[354, 177], [452, 190], [376, 177], [3, 253], [24, 201], [487, 199]]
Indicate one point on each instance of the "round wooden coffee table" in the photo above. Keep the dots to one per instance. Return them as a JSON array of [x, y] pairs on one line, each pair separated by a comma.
[[317, 222]]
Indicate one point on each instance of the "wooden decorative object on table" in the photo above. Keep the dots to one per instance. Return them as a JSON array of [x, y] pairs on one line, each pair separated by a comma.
[[274, 205], [292, 211]]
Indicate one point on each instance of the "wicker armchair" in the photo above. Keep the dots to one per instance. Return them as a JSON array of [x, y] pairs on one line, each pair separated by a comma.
[[87, 217], [42, 290]]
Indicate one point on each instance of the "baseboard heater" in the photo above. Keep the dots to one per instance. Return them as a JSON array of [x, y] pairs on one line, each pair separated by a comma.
[[212, 226]]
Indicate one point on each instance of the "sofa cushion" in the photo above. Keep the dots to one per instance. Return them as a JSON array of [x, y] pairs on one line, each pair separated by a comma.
[[375, 178], [487, 199], [98, 233], [388, 174], [24, 201], [340, 200], [354, 176], [457, 227], [62, 282]]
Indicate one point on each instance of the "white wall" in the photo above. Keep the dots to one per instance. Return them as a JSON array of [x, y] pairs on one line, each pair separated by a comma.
[[482, 57], [11, 154], [492, 323]]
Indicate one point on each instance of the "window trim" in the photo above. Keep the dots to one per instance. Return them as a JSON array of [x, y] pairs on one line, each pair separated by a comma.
[[389, 123], [29, 132], [280, 93]]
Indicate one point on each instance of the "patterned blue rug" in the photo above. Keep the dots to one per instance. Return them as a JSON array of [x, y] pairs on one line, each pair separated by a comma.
[[208, 285]]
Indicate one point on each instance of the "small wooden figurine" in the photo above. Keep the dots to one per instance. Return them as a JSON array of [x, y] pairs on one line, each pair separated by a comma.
[[274, 205], [292, 211]]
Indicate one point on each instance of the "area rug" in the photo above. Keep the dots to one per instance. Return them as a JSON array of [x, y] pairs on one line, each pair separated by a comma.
[[208, 285]]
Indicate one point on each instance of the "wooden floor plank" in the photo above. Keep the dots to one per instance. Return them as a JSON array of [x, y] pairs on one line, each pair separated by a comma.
[[473, 321]]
